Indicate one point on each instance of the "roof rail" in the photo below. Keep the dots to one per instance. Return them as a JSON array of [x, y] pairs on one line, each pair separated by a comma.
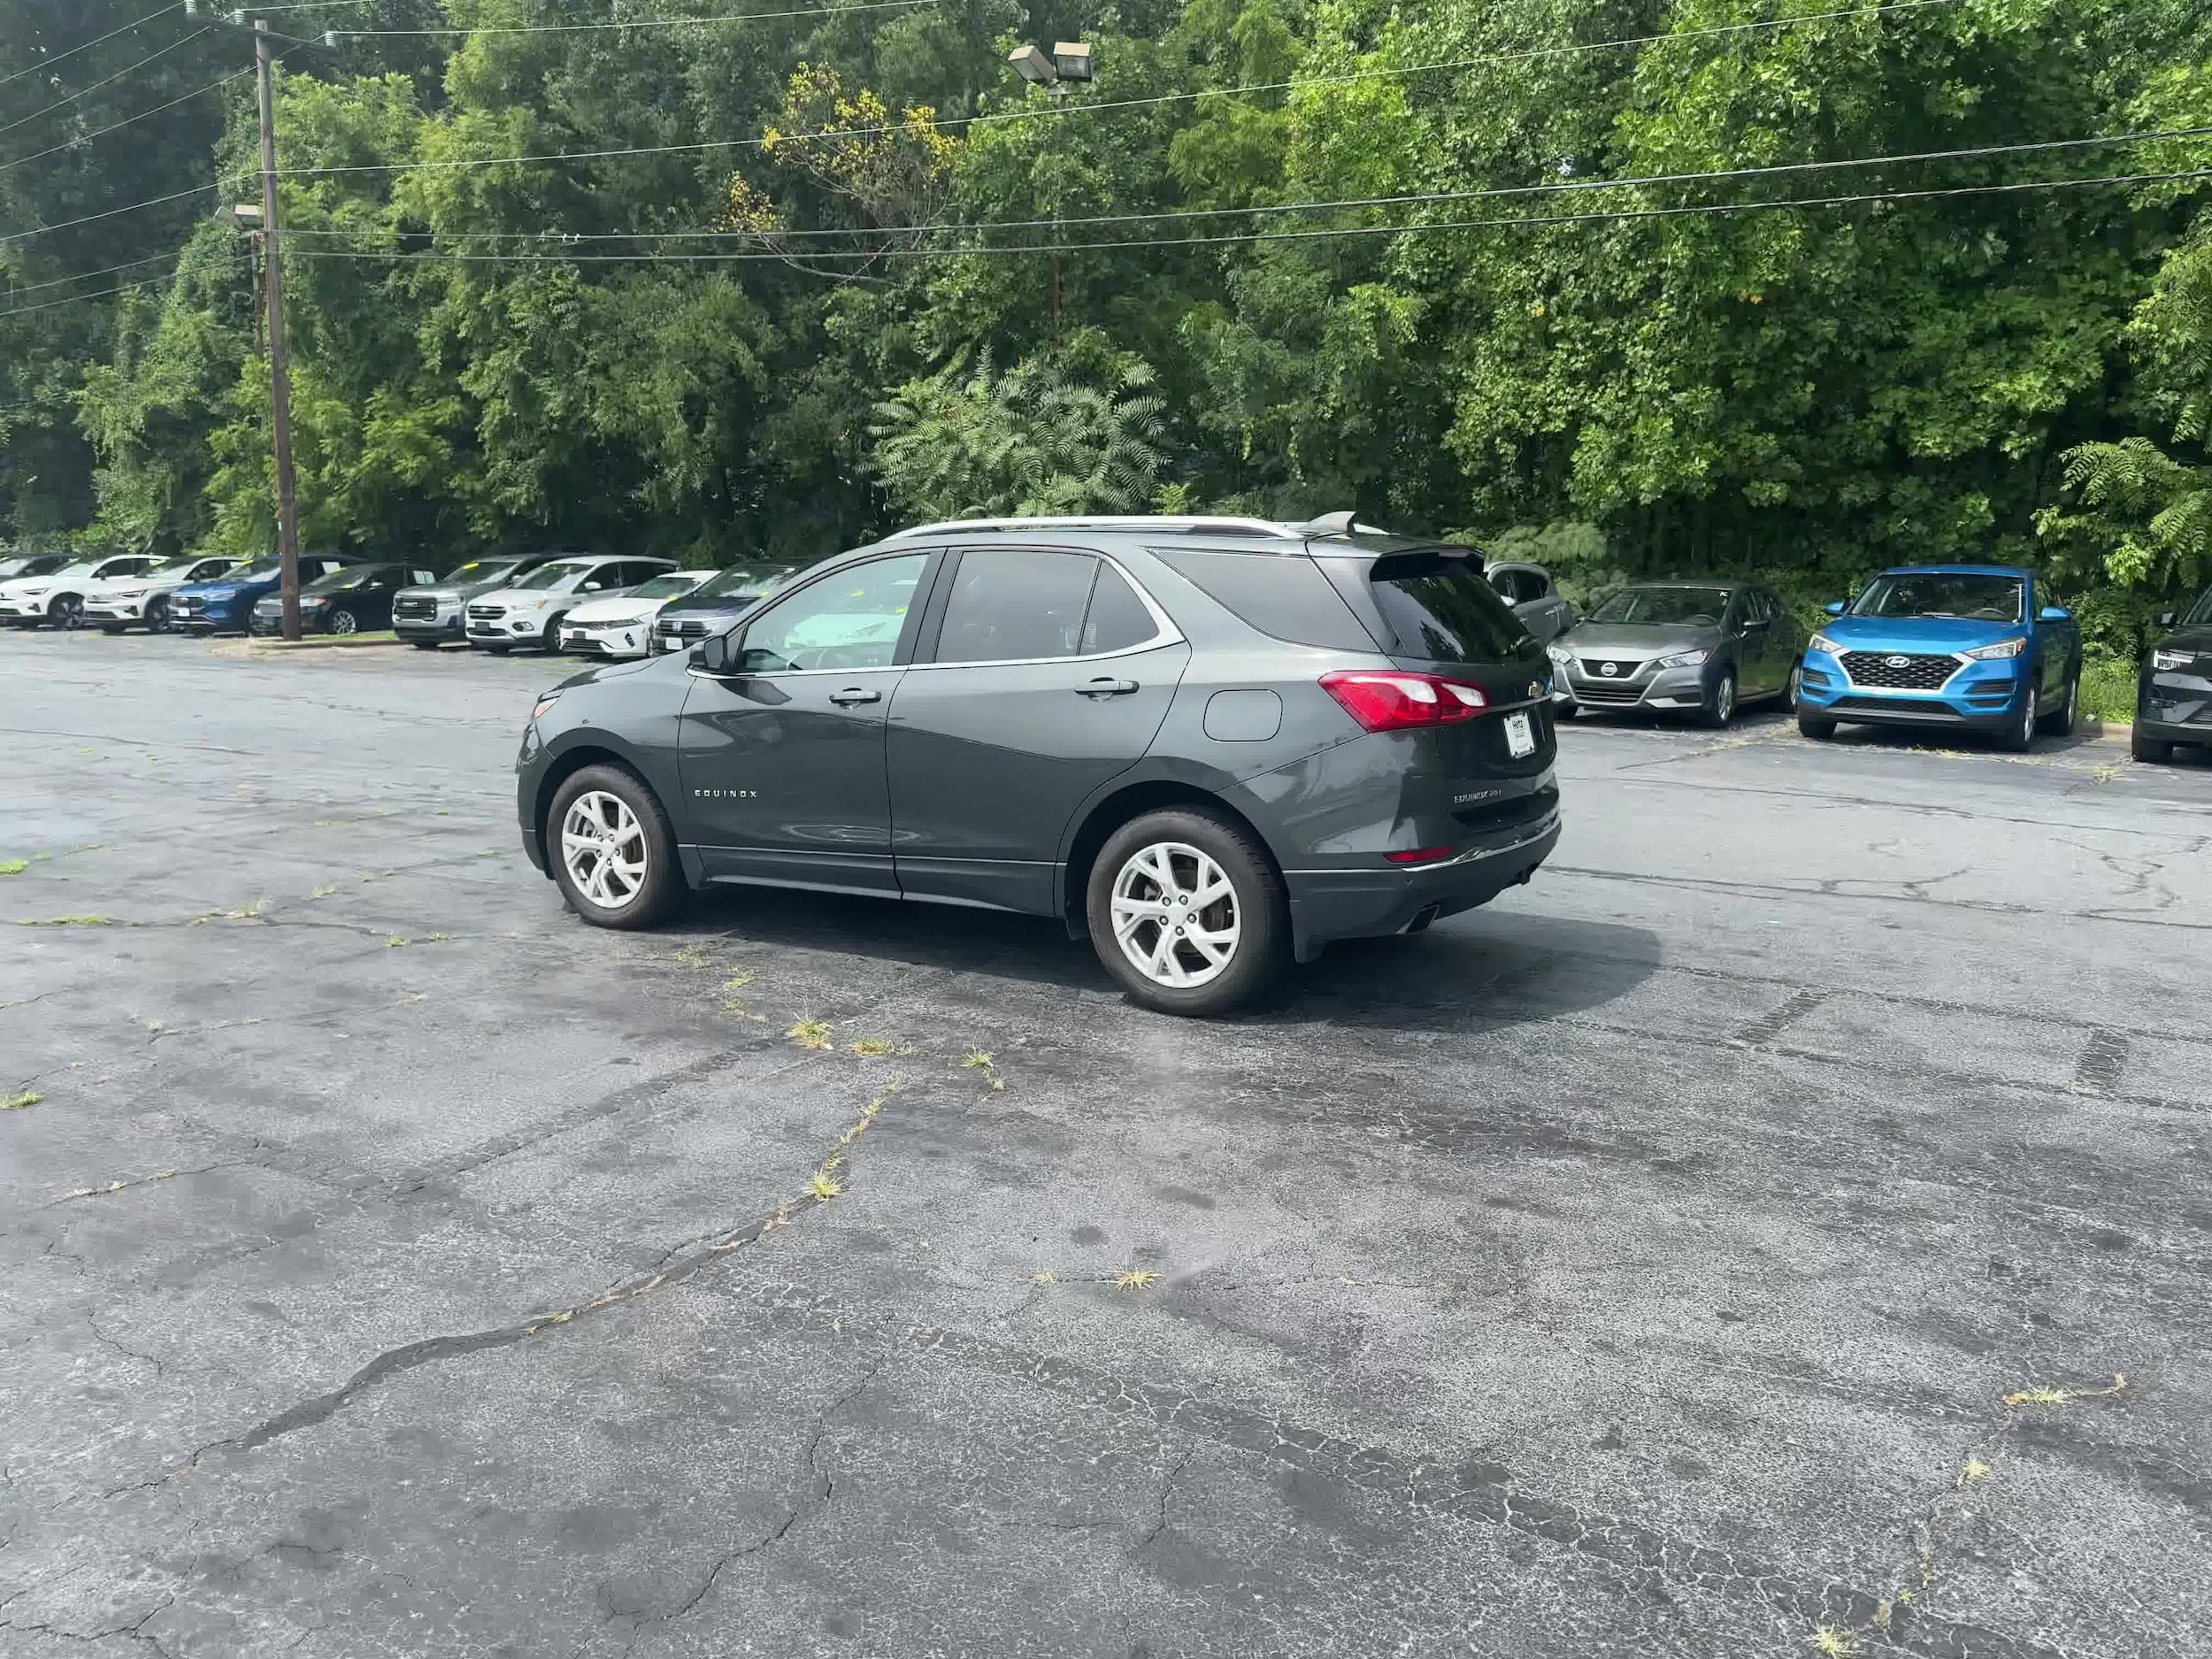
[[1146, 521]]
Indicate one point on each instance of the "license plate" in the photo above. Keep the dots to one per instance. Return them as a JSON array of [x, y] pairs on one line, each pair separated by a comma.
[[1520, 736]]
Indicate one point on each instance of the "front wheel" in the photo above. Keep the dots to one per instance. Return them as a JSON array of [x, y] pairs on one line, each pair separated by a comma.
[[2019, 737], [612, 851], [2156, 750], [158, 617], [342, 623], [1188, 913], [549, 642], [1565, 710], [67, 612], [1819, 730], [424, 645], [1720, 702]]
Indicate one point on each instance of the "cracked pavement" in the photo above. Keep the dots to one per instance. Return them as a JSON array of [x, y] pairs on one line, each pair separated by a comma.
[[1780, 1228]]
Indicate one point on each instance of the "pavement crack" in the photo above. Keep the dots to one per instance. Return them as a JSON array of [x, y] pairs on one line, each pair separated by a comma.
[[1763, 1030], [128, 1353], [2103, 1058], [1167, 1493], [676, 1266]]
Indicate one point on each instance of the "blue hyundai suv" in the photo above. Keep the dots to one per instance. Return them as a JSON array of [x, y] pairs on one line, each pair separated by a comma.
[[225, 604], [1969, 645]]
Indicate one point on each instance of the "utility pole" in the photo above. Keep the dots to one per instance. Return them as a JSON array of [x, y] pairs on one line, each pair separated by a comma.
[[280, 358]]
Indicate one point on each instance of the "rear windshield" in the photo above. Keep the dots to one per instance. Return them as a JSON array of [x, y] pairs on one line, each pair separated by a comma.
[[1435, 605], [1286, 599]]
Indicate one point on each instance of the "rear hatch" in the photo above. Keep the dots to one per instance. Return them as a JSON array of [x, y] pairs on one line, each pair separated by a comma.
[[1434, 613]]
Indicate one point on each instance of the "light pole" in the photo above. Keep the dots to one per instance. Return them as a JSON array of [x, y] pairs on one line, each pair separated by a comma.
[[1069, 67]]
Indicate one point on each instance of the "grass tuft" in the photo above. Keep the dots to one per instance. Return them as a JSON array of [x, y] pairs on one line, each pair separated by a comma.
[[13, 866], [322, 889], [68, 921], [977, 1059], [1834, 1642], [824, 1185], [1136, 1277], [739, 978], [28, 1098], [811, 1034], [878, 1046]]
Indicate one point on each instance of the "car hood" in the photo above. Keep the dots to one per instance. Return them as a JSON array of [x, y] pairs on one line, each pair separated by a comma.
[[452, 590], [2197, 637], [220, 590], [1916, 634], [520, 592], [616, 671], [22, 585], [1635, 641], [716, 607], [605, 610]]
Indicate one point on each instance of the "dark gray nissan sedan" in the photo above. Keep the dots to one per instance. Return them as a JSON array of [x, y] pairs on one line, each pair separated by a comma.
[[1209, 745]]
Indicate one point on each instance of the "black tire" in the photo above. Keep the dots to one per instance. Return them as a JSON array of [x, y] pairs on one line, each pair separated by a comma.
[[1720, 702], [1819, 730], [2019, 737], [1262, 912], [2062, 723], [66, 613], [158, 617], [111, 629], [425, 645], [1794, 687], [549, 641], [496, 650], [1565, 710], [342, 623], [662, 884], [2153, 750]]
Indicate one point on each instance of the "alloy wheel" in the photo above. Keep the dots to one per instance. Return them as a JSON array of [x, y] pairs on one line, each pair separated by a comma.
[[68, 611], [1725, 700], [603, 850], [2030, 711], [1796, 687], [343, 622], [158, 617], [1175, 915]]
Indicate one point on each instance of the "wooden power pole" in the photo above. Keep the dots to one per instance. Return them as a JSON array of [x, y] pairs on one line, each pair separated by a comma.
[[280, 358]]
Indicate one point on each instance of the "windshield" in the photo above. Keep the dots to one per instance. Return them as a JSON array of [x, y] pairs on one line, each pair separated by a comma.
[[260, 571], [2201, 611], [486, 571], [562, 574], [743, 581], [36, 564], [1704, 606], [664, 587], [82, 567], [343, 579], [1952, 594], [177, 566]]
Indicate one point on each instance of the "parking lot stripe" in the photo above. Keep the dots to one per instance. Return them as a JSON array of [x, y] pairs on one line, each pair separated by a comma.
[[2103, 1058], [1763, 1030]]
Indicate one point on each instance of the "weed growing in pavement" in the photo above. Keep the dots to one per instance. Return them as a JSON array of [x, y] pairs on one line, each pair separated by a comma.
[[1048, 1276], [693, 955], [67, 921], [1135, 1277], [322, 889], [13, 866], [873, 1046], [28, 1098], [824, 1185], [1834, 1643], [739, 978], [977, 1059], [393, 942], [811, 1034]]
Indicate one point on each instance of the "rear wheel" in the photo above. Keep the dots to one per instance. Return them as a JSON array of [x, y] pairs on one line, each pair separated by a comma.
[[2062, 724], [1820, 731], [2019, 737], [612, 849], [1796, 687], [1720, 702], [2156, 750], [1186, 913]]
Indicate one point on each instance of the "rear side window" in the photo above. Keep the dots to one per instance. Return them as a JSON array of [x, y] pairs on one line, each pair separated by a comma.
[[1286, 599], [1435, 607], [1016, 604], [1117, 620]]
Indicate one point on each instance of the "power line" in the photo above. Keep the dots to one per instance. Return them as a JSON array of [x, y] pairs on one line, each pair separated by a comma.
[[47, 305], [1071, 107], [1559, 187], [49, 63], [636, 23], [86, 138], [95, 86], [133, 207], [86, 276], [1610, 216]]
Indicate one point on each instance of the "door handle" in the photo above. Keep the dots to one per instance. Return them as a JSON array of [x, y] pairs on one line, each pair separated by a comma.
[[851, 694], [1098, 688]]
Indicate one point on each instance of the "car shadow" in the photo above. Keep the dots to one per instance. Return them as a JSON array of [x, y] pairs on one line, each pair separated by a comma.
[[1480, 971]]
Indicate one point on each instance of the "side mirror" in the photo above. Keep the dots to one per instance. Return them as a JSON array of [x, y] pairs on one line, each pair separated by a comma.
[[2054, 613], [2165, 618], [1834, 607], [717, 653]]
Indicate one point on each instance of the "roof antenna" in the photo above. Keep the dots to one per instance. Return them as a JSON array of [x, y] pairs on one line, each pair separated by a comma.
[[1329, 524]]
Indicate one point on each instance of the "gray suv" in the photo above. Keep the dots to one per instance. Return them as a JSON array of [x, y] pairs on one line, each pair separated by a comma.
[[1209, 745], [431, 615]]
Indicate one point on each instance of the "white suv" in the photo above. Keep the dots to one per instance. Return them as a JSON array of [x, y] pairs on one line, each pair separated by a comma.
[[57, 599], [142, 601], [532, 612], [623, 626]]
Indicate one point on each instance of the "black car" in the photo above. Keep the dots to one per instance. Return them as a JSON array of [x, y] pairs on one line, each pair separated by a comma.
[[2173, 697], [355, 599], [684, 623], [1210, 745]]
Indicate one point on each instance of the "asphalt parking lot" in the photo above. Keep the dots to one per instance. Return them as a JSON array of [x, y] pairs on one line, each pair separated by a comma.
[[1781, 1228]]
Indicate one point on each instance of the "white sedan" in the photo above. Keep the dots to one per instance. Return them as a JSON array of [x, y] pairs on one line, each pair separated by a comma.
[[620, 624]]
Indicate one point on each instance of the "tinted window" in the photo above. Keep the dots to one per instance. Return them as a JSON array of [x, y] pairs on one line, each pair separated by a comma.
[[1944, 594], [664, 587], [1700, 606], [1437, 606], [1516, 588], [1116, 620], [486, 571], [1286, 599], [2201, 611], [562, 574], [850, 619], [743, 581], [1010, 604]]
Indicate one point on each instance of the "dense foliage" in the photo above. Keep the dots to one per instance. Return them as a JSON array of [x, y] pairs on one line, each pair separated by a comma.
[[853, 270]]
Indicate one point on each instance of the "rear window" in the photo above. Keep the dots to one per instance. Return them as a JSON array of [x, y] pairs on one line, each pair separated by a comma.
[[1434, 605], [1285, 598]]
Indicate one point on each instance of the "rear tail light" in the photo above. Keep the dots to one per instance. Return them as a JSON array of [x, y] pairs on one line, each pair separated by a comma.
[[1422, 855], [1384, 700]]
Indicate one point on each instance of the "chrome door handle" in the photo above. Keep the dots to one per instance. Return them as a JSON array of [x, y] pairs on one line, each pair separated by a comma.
[[1099, 688], [851, 694]]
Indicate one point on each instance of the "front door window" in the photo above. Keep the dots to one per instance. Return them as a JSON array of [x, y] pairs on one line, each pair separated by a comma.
[[851, 621]]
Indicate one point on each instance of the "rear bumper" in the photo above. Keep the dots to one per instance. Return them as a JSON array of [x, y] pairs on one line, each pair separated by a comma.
[[1326, 904]]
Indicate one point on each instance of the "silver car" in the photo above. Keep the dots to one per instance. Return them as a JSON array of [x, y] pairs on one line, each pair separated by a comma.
[[1702, 649]]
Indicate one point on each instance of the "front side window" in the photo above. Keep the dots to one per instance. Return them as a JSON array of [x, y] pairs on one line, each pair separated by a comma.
[[2201, 611], [1951, 594], [849, 619], [1016, 604]]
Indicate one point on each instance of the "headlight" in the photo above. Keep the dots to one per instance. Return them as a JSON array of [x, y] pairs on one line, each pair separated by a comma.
[[538, 711], [2171, 661], [1991, 653], [1685, 659], [128, 593], [1822, 642], [528, 604], [1559, 654]]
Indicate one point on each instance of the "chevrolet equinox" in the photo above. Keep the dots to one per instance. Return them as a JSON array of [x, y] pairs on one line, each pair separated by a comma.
[[1209, 745]]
